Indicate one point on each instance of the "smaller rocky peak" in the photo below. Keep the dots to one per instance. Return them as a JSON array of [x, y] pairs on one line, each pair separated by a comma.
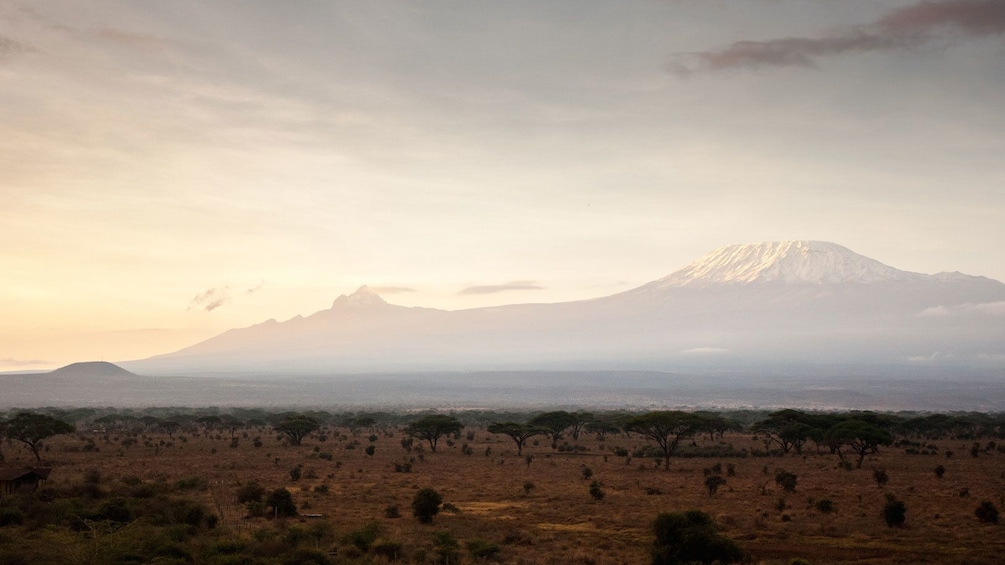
[[362, 298]]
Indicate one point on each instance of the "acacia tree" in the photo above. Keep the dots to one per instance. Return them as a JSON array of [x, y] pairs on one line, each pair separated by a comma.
[[788, 428], [30, 429], [861, 437], [297, 427], [432, 427], [555, 423], [716, 424], [601, 428], [666, 427], [580, 422], [519, 433]]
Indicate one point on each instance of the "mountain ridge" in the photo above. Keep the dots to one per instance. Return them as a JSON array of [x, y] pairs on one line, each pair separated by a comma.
[[771, 302]]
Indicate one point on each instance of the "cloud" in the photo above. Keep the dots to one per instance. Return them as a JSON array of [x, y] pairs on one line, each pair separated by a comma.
[[215, 297], [705, 351], [903, 28], [494, 288], [9, 47], [934, 357], [391, 289], [979, 309], [9, 362], [211, 299]]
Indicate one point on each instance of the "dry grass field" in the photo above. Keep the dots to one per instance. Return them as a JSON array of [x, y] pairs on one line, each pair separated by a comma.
[[537, 507]]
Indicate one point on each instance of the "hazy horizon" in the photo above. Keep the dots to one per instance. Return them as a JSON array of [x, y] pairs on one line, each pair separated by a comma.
[[175, 170]]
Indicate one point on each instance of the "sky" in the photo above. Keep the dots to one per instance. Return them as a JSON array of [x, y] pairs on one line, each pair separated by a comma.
[[170, 170]]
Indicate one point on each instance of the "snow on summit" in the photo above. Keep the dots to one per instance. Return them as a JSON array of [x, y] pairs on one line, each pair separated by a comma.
[[802, 262]]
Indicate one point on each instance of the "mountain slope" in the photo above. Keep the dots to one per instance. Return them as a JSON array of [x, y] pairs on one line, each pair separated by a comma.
[[90, 369], [759, 305], [791, 262]]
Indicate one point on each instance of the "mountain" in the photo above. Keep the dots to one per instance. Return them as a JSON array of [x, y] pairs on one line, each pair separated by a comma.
[[791, 262], [776, 306], [91, 369]]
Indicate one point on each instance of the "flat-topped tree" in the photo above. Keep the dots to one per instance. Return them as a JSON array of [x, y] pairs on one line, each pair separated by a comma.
[[666, 427], [788, 428], [555, 422], [30, 429], [862, 437], [519, 433], [431, 428], [297, 427]]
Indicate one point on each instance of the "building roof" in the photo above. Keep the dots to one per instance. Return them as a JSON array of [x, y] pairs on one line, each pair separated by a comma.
[[12, 474]]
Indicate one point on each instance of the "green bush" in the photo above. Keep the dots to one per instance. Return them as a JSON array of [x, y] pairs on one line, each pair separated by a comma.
[[250, 491], [712, 483], [281, 503], [116, 510], [691, 537], [446, 547], [11, 517], [191, 483], [481, 549], [786, 480], [825, 505], [894, 511], [595, 491], [390, 550], [426, 504], [364, 537], [987, 512]]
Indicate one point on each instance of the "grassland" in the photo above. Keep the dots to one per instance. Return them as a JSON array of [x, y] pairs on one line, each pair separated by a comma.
[[536, 507]]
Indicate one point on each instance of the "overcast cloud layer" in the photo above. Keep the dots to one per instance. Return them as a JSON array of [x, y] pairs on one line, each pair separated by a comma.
[[160, 159]]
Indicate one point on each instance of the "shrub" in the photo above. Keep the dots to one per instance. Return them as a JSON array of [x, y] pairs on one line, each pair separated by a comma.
[[364, 537], [527, 487], [250, 491], [370, 449], [596, 492], [116, 510], [825, 505], [446, 547], [939, 471], [587, 473], [987, 512], [191, 483], [295, 473], [480, 549], [712, 483], [307, 557], [281, 503], [426, 504], [11, 517], [390, 550], [691, 537], [881, 477], [894, 511], [786, 480], [392, 511]]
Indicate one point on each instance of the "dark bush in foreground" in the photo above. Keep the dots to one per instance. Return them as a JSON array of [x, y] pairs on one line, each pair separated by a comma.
[[281, 503], [894, 511], [691, 537], [426, 504], [987, 512]]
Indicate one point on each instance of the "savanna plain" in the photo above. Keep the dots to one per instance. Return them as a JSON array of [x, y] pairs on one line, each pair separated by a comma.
[[236, 486]]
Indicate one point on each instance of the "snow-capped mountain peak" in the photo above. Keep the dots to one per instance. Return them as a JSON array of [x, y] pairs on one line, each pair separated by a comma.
[[800, 262]]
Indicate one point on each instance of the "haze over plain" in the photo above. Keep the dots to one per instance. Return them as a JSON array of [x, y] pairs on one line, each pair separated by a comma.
[[175, 170]]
